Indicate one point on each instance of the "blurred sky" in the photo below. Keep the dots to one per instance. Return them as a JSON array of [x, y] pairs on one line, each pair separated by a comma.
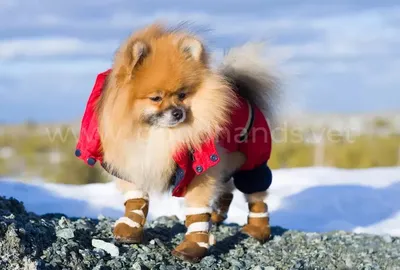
[[337, 56]]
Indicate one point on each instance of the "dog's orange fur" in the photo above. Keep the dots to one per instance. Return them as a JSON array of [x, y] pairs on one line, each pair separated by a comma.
[[165, 69]]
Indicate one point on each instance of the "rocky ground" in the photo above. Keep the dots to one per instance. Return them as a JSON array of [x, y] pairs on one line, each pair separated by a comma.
[[53, 241]]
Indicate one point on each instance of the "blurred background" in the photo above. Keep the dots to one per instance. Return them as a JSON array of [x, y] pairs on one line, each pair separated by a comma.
[[339, 61]]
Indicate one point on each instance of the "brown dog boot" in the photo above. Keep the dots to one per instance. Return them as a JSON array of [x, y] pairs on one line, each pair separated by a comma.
[[258, 222], [221, 208], [197, 238], [129, 229]]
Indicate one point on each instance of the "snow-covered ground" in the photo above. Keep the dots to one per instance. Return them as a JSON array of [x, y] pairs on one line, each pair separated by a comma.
[[309, 199]]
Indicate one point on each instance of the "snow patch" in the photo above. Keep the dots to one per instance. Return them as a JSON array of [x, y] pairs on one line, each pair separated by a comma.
[[308, 199]]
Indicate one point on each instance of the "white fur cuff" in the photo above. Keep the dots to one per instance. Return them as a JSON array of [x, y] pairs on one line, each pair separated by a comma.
[[198, 227], [258, 215], [197, 210], [128, 222], [211, 242], [139, 212], [136, 194], [203, 244]]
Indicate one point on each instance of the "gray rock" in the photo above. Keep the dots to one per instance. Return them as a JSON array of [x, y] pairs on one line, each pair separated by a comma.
[[208, 260], [137, 266], [11, 216], [387, 238], [64, 223], [160, 243], [107, 247], [66, 233], [277, 239], [28, 241], [146, 249], [143, 257], [235, 262]]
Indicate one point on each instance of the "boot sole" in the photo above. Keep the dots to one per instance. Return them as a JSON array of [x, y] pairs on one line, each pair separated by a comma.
[[185, 257], [261, 240], [124, 240]]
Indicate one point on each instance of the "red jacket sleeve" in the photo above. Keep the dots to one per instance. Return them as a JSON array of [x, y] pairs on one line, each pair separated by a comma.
[[88, 145]]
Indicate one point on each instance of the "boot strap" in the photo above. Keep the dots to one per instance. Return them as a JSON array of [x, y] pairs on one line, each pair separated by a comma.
[[198, 225], [136, 209]]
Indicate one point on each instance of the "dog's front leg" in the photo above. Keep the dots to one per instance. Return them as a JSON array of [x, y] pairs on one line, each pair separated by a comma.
[[198, 213], [129, 228]]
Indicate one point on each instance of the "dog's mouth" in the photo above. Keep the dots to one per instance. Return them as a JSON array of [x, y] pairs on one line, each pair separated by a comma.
[[167, 119]]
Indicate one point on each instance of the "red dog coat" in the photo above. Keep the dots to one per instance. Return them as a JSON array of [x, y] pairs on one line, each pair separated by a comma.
[[248, 133]]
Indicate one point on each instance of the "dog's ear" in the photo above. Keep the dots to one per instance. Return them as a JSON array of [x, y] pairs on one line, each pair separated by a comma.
[[192, 48], [139, 51]]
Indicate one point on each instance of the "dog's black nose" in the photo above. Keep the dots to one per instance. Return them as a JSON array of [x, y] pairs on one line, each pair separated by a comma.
[[177, 114]]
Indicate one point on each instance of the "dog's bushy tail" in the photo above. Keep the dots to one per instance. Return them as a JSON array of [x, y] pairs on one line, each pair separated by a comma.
[[251, 75]]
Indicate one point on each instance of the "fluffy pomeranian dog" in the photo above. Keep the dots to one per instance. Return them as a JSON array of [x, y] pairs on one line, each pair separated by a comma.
[[162, 119]]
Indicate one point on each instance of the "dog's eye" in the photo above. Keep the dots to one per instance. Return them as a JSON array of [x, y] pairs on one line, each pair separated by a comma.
[[182, 96], [156, 98]]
